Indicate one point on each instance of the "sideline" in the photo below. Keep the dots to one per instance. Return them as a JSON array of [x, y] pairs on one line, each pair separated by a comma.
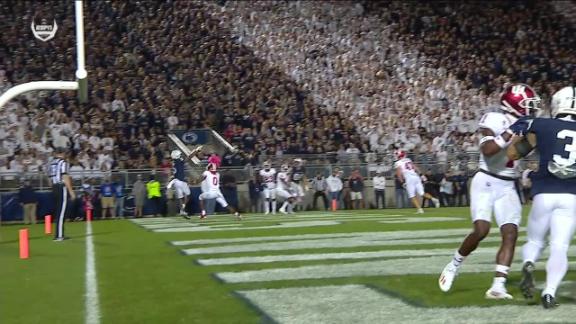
[[92, 305]]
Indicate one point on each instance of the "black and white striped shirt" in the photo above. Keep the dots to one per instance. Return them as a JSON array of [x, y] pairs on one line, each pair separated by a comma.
[[57, 169]]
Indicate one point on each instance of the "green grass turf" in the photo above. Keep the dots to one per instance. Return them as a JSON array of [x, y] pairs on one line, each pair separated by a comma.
[[143, 279]]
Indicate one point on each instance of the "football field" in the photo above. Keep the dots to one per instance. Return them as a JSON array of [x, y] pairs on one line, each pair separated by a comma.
[[367, 266]]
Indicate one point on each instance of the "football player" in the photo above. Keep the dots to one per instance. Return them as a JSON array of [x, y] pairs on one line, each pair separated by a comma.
[[268, 175], [492, 189], [299, 180], [553, 189], [284, 190], [408, 173], [178, 181], [211, 190]]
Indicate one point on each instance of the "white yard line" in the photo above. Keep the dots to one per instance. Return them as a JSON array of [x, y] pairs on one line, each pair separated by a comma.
[[92, 305]]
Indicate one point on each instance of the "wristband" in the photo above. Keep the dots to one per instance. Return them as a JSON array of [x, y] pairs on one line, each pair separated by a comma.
[[486, 139]]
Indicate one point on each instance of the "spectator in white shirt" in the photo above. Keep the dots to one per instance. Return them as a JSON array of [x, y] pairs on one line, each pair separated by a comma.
[[334, 185], [172, 121], [379, 183]]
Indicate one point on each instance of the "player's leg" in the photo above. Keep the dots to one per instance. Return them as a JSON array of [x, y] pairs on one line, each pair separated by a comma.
[[273, 198], [508, 213], [282, 193], [413, 194], [201, 203], [562, 226], [538, 226], [481, 212], [222, 201], [179, 191], [266, 201], [434, 200]]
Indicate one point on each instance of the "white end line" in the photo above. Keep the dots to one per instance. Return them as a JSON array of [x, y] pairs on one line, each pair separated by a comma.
[[92, 305]]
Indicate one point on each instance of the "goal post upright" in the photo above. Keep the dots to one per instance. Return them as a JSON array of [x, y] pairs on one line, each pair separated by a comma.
[[81, 74]]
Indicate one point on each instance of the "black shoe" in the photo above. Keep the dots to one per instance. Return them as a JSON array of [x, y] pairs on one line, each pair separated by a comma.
[[527, 282], [548, 301]]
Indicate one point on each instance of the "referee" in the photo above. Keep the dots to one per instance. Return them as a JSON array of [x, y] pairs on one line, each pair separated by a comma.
[[62, 190]]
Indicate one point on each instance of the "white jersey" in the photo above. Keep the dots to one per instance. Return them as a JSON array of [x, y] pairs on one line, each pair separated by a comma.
[[269, 178], [498, 163], [283, 181], [211, 181], [407, 168]]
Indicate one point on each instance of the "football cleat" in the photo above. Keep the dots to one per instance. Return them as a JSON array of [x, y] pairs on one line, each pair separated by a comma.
[[447, 277], [497, 294], [436, 202], [283, 211], [238, 216], [548, 301], [527, 282], [420, 211]]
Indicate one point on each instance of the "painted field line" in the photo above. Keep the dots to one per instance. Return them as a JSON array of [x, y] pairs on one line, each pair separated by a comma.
[[432, 265], [357, 255], [219, 228], [289, 223], [282, 218], [338, 256], [360, 304], [92, 304], [326, 244], [383, 235]]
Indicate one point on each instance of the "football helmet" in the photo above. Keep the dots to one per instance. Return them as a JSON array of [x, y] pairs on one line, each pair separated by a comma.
[[176, 154], [266, 165], [519, 100], [400, 154], [211, 167], [564, 102], [284, 168]]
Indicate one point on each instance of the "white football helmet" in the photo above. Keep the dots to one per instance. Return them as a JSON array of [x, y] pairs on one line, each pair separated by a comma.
[[176, 154], [564, 102]]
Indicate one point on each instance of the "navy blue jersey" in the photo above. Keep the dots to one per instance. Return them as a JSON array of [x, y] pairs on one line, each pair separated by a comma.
[[556, 143], [179, 170], [298, 173]]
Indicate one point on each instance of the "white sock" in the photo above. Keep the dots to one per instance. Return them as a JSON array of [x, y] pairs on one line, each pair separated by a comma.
[[458, 259], [284, 205], [273, 206], [290, 208], [556, 269], [499, 283], [266, 206]]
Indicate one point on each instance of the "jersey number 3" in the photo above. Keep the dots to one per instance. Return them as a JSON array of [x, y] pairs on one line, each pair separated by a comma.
[[570, 147]]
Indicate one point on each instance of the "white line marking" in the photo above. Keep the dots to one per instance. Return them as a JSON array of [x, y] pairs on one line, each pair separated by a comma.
[[92, 305], [482, 262], [360, 304], [337, 256]]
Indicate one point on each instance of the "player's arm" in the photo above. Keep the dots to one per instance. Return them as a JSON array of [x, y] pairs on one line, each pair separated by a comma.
[[521, 146], [491, 144]]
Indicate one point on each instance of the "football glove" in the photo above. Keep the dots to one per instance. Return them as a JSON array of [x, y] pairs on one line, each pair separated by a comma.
[[521, 126]]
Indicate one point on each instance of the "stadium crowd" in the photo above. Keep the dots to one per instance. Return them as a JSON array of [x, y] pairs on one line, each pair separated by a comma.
[[274, 78]]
